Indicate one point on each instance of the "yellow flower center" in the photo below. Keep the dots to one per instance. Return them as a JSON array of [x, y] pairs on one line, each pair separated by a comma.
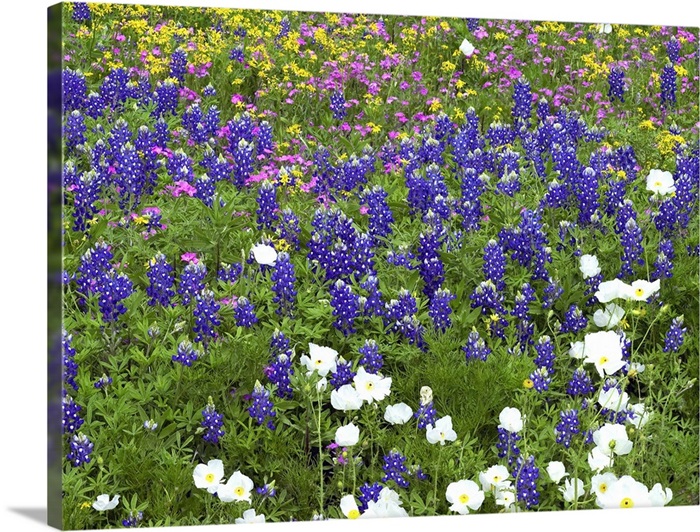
[[354, 513], [239, 491], [603, 360], [603, 488], [209, 478], [626, 503], [319, 362], [369, 385], [464, 498], [496, 479], [639, 292], [657, 184]]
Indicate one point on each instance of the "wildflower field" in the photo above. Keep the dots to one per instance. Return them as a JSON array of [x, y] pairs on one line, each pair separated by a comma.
[[328, 266]]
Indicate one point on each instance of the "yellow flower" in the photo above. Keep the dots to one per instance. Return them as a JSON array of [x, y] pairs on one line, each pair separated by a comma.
[[647, 124], [435, 106], [527, 383], [294, 129]]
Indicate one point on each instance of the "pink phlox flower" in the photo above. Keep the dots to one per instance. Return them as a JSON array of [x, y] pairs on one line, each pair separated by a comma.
[[190, 256]]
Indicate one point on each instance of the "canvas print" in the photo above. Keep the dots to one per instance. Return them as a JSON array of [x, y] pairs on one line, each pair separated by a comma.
[[346, 266]]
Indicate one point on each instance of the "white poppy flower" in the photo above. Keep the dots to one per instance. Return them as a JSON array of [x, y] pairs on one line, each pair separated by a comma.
[[658, 496], [467, 48], [426, 395], [660, 182], [613, 399], [464, 495], [349, 507], [371, 387], [588, 264], [505, 496], [322, 384], [635, 369], [609, 290], [598, 461], [264, 254], [556, 471], [249, 517], [347, 435], [604, 28], [238, 488], [346, 398], [572, 489], [209, 476], [626, 492], [398, 414], [511, 419], [321, 359], [442, 431], [640, 415], [612, 439], [576, 350], [388, 505], [609, 317], [604, 349], [601, 482], [642, 290], [494, 477], [103, 503]]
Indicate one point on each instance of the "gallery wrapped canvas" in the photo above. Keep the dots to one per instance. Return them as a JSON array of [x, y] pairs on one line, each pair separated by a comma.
[[328, 266]]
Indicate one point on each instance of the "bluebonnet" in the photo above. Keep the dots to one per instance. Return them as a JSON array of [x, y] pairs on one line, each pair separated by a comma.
[[80, 449], [186, 354], [587, 195], [508, 445], [488, 298], [371, 359], [540, 379], [209, 91], [567, 427], [103, 382], [545, 353], [552, 292], [113, 288], [668, 86], [279, 370], [229, 273], [262, 409], [237, 54], [580, 383], [337, 105], [616, 86], [675, 335], [74, 130], [283, 278], [373, 306], [395, 468], [380, 216], [133, 519], [81, 12], [191, 281], [494, 266], [527, 475], [574, 320], [265, 144], [288, 228], [343, 373], [440, 310], [212, 424], [673, 50], [425, 414], [206, 317], [178, 65], [285, 27], [663, 265], [94, 105], [267, 206], [86, 192], [242, 162], [70, 366], [165, 96], [71, 420], [476, 348], [632, 249], [267, 490], [161, 280], [369, 492], [522, 101], [472, 24], [245, 313], [345, 307]]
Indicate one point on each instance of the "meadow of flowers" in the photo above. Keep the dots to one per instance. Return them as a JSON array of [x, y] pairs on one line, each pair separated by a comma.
[[328, 266]]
